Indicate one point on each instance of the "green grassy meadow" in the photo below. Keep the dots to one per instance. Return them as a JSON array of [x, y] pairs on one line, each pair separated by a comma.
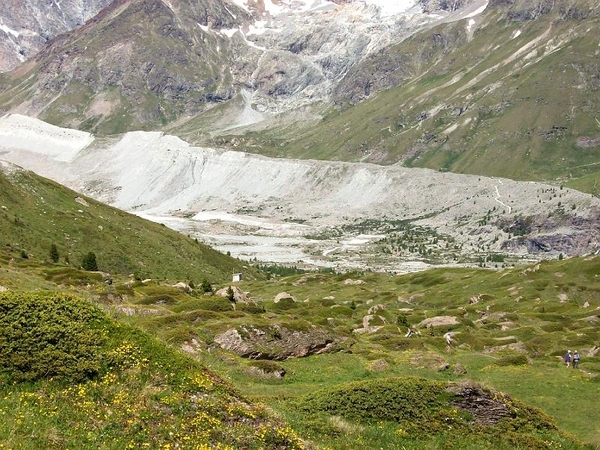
[[512, 329]]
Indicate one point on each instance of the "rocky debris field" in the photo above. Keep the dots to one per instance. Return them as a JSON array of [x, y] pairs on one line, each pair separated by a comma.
[[321, 211]]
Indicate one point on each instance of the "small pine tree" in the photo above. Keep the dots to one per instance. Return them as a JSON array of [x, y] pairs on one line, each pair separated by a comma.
[[54, 253], [89, 262], [24, 254], [206, 286], [230, 294]]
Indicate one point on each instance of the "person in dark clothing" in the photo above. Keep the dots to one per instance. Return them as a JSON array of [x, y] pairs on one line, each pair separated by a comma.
[[568, 358]]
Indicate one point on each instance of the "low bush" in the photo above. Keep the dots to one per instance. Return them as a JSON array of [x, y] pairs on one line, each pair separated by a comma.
[[44, 335], [410, 400]]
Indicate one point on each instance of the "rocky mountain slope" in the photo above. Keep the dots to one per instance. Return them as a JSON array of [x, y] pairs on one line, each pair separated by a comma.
[[501, 87], [166, 179], [511, 91], [145, 63], [27, 25]]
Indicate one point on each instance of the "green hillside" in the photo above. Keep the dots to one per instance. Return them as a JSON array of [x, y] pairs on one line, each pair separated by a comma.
[[37, 213]]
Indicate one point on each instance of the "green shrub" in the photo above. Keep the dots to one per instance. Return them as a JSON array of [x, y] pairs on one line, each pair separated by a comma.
[[395, 399], [217, 304], [327, 302], [341, 311], [512, 360], [89, 262], [284, 304], [251, 308], [552, 327], [45, 335]]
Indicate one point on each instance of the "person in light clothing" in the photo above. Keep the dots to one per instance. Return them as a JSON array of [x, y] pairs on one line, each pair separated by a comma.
[[576, 359]]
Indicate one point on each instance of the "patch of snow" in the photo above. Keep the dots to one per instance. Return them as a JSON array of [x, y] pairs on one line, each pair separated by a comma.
[[259, 27], [470, 24], [229, 32], [516, 34], [241, 4], [232, 14]]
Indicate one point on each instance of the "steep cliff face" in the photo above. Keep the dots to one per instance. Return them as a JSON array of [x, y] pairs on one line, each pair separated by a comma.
[[27, 25]]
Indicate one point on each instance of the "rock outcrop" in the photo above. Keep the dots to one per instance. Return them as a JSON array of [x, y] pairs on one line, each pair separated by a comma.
[[276, 342]]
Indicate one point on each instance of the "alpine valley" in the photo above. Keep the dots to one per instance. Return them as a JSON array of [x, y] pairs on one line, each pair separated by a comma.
[[406, 193]]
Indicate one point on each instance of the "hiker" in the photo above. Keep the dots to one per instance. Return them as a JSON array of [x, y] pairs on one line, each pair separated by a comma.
[[568, 358], [576, 359]]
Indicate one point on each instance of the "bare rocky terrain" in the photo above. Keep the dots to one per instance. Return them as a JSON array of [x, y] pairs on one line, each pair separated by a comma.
[[347, 215], [27, 25]]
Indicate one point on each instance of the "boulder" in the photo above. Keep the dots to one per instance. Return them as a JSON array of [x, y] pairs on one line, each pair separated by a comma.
[[487, 407], [238, 295], [277, 342], [183, 286], [439, 321], [283, 295]]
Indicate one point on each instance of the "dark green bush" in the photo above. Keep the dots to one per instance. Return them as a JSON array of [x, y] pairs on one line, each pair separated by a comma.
[[89, 262], [512, 360], [45, 335], [394, 399], [217, 304]]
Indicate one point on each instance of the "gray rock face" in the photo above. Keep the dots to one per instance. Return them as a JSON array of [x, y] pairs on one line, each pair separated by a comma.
[[27, 25]]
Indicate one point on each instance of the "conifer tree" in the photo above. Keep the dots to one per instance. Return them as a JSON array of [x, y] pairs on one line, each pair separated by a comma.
[[54, 253], [89, 262]]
